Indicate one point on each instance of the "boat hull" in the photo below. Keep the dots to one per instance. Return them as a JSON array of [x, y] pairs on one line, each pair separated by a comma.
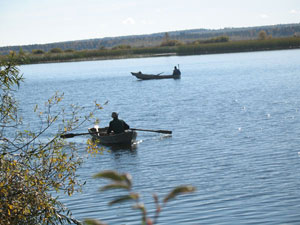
[[142, 76], [126, 138]]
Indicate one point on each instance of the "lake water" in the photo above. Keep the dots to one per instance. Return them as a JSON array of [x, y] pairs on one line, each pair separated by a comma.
[[236, 134]]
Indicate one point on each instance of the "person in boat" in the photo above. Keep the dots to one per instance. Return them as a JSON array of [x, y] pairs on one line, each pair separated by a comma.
[[116, 125], [176, 71]]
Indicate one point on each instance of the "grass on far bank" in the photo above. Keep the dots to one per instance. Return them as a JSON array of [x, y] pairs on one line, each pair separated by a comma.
[[183, 49]]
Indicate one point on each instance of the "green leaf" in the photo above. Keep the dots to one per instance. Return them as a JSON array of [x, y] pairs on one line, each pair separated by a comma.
[[114, 176], [117, 185], [35, 108], [110, 174], [93, 222], [132, 196], [179, 190]]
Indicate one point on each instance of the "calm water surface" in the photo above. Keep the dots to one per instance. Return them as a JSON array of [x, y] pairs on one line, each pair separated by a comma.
[[236, 134]]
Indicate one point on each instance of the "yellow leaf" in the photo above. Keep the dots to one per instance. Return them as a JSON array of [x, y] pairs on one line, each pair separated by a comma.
[[27, 211]]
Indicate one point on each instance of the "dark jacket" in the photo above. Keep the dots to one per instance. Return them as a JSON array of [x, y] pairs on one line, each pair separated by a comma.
[[176, 71], [117, 126]]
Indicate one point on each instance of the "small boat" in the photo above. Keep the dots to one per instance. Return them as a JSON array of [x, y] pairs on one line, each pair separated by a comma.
[[143, 76], [126, 138]]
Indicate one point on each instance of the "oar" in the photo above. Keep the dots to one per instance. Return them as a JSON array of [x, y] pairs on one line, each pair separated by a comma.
[[159, 73], [157, 131], [70, 135], [74, 135]]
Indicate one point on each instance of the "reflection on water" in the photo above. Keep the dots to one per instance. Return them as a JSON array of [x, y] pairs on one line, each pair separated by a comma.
[[165, 136], [122, 147], [117, 152]]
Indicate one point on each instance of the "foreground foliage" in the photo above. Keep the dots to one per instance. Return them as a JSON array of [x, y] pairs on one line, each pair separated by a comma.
[[34, 164], [123, 181]]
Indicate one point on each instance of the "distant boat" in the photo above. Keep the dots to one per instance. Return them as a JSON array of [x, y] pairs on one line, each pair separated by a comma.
[[143, 76], [125, 138]]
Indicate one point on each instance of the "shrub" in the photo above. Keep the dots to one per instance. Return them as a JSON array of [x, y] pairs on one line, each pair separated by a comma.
[[213, 40], [56, 50], [37, 51], [30, 169], [262, 35], [171, 43], [122, 47]]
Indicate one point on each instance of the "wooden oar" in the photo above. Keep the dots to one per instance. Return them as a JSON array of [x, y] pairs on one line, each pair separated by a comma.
[[74, 135], [157, 131], [70, 135], [159, 73]]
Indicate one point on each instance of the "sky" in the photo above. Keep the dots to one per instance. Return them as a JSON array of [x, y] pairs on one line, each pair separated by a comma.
[[25, 22]]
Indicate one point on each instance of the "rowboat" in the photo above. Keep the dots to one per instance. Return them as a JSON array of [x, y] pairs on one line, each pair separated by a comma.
[[126, 138], [143, 76]]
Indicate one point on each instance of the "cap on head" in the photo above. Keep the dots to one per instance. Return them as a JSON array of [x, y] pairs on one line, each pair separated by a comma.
[[114, 115]]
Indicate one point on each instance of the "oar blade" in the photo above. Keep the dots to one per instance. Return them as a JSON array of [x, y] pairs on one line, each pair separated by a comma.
[[165, 131], [156, 131], [67, 135]]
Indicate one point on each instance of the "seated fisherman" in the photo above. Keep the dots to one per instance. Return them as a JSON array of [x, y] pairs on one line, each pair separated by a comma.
[[116, 125], [176, 71]]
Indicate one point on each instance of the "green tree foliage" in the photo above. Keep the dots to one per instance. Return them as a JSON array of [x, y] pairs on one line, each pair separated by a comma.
[[123, 181], [21, 52], [151, 40], [30, 167], [121, 47], [37, 51], [169, 42], [239, 46], [220, 44], [213, 40], [56, 50]]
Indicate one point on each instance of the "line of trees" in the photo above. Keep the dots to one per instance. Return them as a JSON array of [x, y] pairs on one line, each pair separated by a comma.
[[168, 46], [240, 46], [247, 33]]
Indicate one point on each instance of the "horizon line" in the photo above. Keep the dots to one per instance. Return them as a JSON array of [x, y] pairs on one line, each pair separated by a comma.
[[145, 34]]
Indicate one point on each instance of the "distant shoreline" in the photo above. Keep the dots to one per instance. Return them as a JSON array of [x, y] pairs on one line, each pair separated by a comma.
[[105, 58], [180, 50]]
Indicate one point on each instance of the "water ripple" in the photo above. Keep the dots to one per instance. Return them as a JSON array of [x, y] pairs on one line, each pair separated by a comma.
[[235, 121]]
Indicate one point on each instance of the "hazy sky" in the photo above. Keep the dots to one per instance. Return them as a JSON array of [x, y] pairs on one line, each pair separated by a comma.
[[45, 21]]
